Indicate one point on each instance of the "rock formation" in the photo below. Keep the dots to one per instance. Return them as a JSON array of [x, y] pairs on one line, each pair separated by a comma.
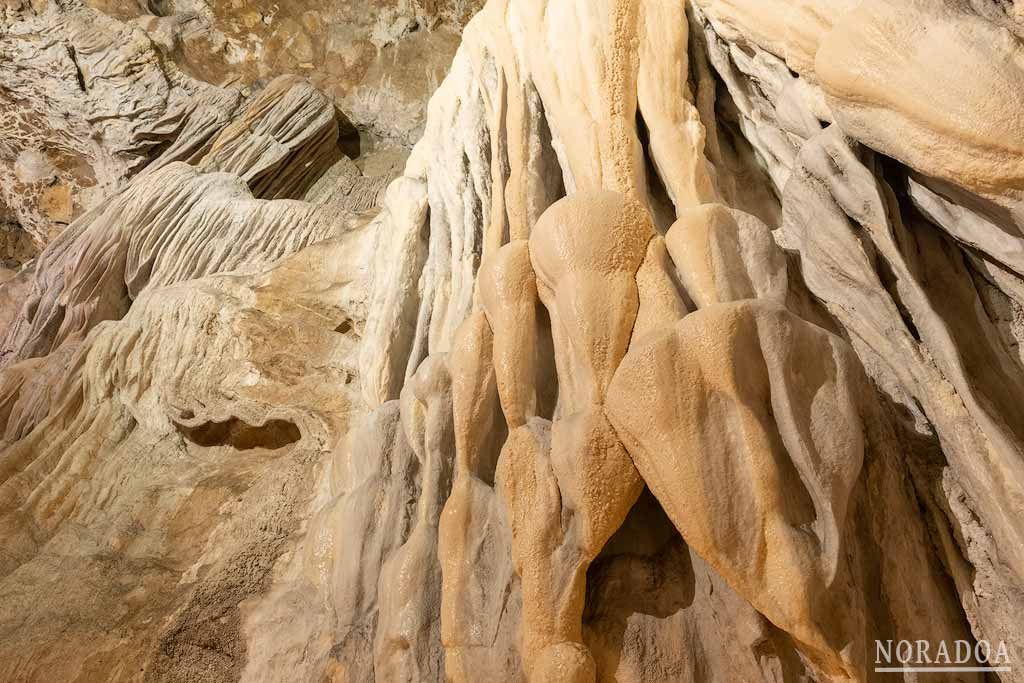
[[686, 346]]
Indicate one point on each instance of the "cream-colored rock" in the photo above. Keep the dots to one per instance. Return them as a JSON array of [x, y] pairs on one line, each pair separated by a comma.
[[283, 141], [928, 343], [578, 463], [530, 493], [474, 543], [586, 250], [676, 134], [596, 478], [102, 471], [508, 292], [658, 294], [93, 271], [574, 404], [742, 419], [725, 255], [882, 284], [892, 87], [399, 256], [791, 30], [408, 640], [475, 397]]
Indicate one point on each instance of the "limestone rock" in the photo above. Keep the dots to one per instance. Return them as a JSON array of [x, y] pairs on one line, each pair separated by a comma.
[[742, 420], [685, 345], [379, 61], [87, 102]]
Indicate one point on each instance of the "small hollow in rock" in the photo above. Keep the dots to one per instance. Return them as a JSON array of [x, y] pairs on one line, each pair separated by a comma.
[[241, 435]]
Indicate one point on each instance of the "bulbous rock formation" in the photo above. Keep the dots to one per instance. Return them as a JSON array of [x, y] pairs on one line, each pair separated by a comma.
[[686, 347]]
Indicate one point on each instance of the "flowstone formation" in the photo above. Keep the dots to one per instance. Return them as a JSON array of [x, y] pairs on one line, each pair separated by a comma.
[[687, 347], [92, 91]]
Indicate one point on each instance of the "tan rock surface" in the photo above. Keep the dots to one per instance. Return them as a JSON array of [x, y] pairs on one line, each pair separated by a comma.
[[685, 347]]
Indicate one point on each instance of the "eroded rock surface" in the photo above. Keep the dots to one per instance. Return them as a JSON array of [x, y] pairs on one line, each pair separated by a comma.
[[686, 346]]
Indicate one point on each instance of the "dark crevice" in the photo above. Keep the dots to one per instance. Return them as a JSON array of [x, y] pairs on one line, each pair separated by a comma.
[[923, 464], [756, 193], [662, 207], [294, 175], [350, 142], [546, 374], [892, 178], [889, 281], [73, 55], [241, 435], [156, 8], [549, 169]]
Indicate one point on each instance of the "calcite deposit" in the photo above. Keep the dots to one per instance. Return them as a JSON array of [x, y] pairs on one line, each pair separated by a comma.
[[684, 344]]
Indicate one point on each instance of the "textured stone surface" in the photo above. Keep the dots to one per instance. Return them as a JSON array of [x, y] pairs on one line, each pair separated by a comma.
[[685, 346], [87, 102], [378, 60], [94, 90]]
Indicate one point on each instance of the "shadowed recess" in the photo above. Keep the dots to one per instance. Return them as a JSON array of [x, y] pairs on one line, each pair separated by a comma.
[[241, 435]]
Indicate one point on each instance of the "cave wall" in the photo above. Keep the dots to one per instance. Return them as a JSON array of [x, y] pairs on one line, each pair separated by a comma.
[[684, 346]]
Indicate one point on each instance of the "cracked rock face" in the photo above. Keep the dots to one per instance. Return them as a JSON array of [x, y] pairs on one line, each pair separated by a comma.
[[684, 346]]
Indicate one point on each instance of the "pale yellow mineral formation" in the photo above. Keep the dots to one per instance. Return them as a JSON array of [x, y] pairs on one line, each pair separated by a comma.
[[684, 344]]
